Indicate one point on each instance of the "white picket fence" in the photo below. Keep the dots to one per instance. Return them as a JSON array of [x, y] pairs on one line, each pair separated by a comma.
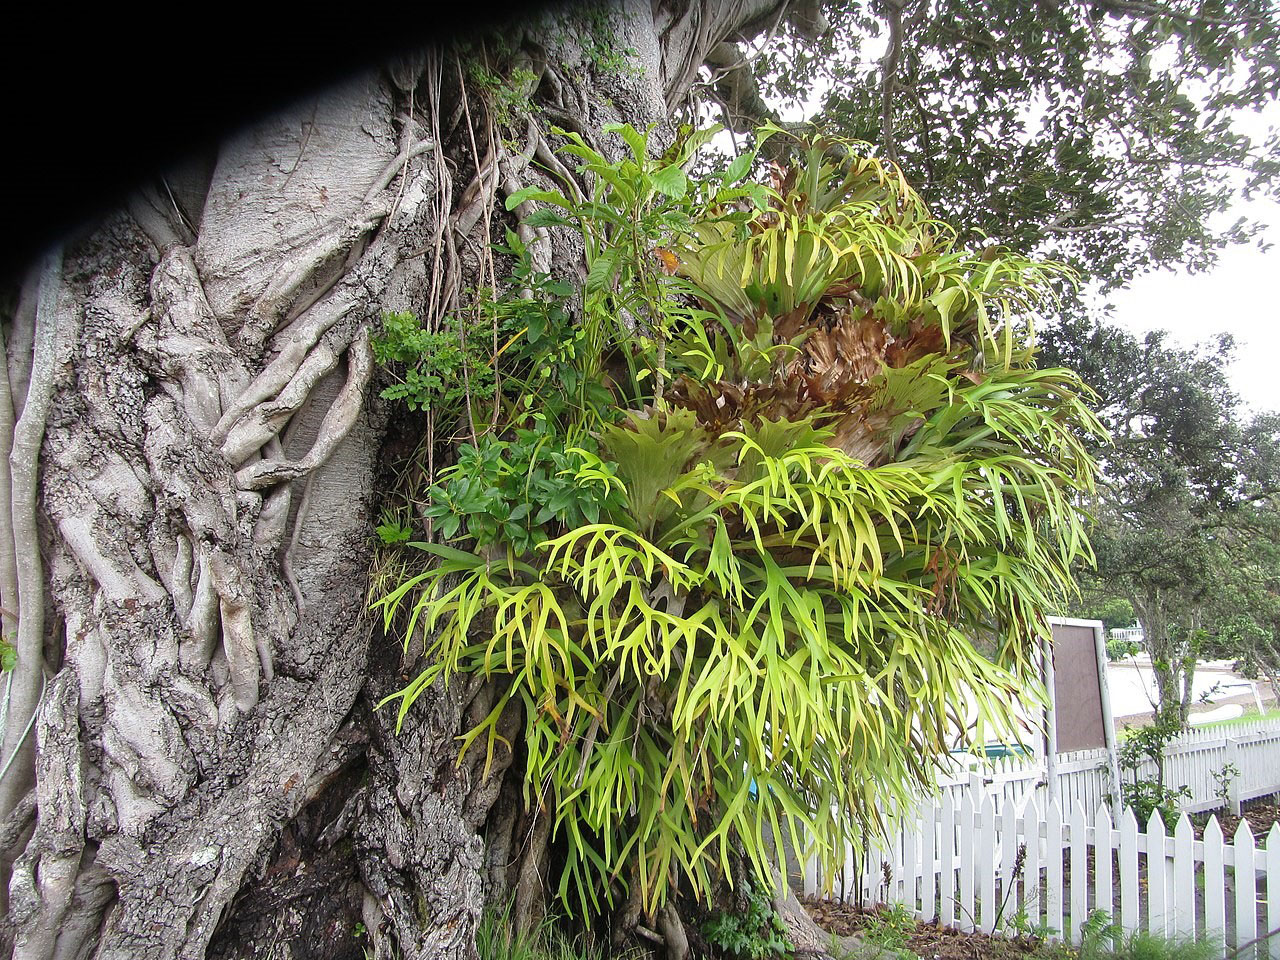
[[1191, 761], [991, 850], [974, 866]]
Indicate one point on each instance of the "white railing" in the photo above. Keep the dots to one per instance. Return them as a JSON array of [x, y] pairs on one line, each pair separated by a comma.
[[1128, 633], [969, 865]]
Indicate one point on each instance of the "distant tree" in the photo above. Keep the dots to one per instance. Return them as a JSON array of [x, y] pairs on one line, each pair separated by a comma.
[[1104, 133], [1185, 499], [1115, 612]]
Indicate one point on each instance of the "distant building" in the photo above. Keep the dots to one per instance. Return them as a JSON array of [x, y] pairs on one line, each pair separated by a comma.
[[1127, 634]]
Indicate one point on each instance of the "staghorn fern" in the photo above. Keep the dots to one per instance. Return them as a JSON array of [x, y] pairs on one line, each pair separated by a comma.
[[844, 524]]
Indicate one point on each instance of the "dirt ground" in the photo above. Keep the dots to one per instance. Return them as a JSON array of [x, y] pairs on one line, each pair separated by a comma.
[[929, 941]]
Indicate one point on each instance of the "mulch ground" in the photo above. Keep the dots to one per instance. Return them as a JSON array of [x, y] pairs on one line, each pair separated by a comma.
[[929, 941], [1261, 814]]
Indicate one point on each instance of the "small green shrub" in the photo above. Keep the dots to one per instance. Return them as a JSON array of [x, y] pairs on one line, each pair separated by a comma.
[[1224, 778], [1118, 649], [439, 366], [509, 491], [1103, 939], [1145, 794], [754, 934], [891, 929]]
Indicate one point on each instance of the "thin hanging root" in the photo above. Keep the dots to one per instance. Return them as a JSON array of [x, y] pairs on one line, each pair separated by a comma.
[[334, 428], [52, 329], [8, 555], [535, 238], [477, 199], [197, 651], [547, 157], [277, 374], [286, 561], [268, 419], [22, 333], [235, 601], [395, 166]]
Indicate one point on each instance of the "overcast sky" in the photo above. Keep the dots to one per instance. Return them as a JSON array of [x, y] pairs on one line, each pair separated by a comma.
[[1241, 296]]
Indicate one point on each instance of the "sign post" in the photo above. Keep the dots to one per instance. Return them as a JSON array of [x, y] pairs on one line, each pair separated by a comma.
[[1079, 715]]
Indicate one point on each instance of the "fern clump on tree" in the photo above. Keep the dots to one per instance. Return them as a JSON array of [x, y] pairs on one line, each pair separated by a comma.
[[822, 507]]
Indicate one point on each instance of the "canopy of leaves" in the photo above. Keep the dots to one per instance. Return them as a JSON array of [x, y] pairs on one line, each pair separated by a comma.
[[825, 511], [1105, 134]]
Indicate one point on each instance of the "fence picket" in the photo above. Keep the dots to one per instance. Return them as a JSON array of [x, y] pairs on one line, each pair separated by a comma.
[[1031, 901], [987, 866], [967, 836], [848, 876], [1102, 881], [1246, 885], [1157, 906], [1079, 898], [910, 867], [1184, 879], [810, 874], [1053, 868], [928, 861], [1008, 858], [948, 891], [1215, 884], [1273, 889], [1129, 911]]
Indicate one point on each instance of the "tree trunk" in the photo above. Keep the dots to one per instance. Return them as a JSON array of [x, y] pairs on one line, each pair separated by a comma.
[[1166, 658], [192, 460]]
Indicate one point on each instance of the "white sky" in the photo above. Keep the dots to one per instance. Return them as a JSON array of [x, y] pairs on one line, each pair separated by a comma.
[[1241, 296]]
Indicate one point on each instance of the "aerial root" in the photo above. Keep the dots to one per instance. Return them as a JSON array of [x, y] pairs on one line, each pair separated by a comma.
[[302, 336], [286, 560], [478, 197], [528, 905], [396, 165], [235, 601], [15, 828], [334, 428], [303, 270], [536, 239], [672, 928], [196, 651], [267, 419]]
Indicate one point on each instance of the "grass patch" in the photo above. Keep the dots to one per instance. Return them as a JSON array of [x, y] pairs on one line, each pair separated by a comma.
[[496, 940], [1239, 721]]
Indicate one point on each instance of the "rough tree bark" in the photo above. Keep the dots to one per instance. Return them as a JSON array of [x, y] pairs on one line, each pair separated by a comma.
[[191, 457]]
